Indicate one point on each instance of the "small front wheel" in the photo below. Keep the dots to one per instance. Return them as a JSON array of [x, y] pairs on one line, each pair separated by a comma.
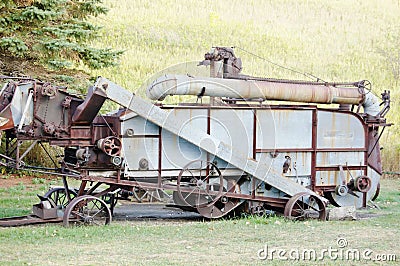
[[87, 210], [59, 197], [303, 206]]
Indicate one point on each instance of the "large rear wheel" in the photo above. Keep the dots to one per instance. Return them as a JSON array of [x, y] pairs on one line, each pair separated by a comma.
[[200, 184]]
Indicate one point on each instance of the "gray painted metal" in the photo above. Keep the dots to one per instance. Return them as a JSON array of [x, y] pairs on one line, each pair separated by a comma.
[[339, 130], [213, 145], [21, 107]]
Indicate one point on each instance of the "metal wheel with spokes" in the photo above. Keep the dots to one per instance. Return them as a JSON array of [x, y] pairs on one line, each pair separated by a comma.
[[110, 145], [200, 184], [151, 195], [59, 197], [303, 206], [223, 205], [87, 210]]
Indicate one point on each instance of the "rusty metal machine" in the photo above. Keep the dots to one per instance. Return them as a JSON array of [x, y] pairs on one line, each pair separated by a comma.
[[255, 144]]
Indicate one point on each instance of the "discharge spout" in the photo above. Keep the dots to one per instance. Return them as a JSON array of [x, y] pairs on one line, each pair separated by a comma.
[[262, 89]]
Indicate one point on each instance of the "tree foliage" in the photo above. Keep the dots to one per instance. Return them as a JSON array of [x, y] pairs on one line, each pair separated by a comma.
[[53, 32]]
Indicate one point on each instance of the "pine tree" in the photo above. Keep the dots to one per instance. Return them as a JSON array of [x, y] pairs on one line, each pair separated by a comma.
[[54, 33]]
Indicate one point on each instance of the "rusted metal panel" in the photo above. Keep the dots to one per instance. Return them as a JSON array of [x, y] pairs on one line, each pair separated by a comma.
[[6, 119], [374, 154], [330, 177], [87, 111], [81, 132]]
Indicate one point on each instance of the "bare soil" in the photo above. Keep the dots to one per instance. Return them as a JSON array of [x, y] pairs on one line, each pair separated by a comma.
[[25, 67], [7, 181]]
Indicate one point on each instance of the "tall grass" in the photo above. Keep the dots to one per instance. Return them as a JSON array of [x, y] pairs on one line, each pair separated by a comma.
[[335, 40]]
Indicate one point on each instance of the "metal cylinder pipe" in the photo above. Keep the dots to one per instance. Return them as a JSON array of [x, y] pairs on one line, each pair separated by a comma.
[[267, 90]]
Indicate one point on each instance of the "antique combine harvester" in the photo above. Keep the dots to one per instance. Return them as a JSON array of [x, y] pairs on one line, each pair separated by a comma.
[[235, 152]]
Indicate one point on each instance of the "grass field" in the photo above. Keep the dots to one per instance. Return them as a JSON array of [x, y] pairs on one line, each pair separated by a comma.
[[219, 242], [334, 40]]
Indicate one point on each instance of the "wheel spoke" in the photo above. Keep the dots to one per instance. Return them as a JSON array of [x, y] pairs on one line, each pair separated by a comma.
[[297, 210], [299, 217], [59, 197], [79, 214], [301, 207], [95, 204], [56, 197], [87, 210], [315, 209], [98, 212], [96, 223], [205, 178], [60, 200], [203, 183], [211, 196], [190, 193]]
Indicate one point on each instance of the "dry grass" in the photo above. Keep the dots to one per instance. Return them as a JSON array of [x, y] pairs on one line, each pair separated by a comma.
[[334, 40]]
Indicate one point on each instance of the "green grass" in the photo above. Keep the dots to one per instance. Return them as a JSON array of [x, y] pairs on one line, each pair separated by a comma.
[[220, 242], [334, 40], [18, 200]]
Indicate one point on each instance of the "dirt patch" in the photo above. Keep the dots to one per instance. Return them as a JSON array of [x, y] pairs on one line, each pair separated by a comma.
[[7, 181], [365, 216], [25, 67]]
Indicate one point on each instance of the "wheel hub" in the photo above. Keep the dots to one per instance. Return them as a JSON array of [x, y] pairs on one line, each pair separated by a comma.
[[341, 190], [88, 220], [199, 183]]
